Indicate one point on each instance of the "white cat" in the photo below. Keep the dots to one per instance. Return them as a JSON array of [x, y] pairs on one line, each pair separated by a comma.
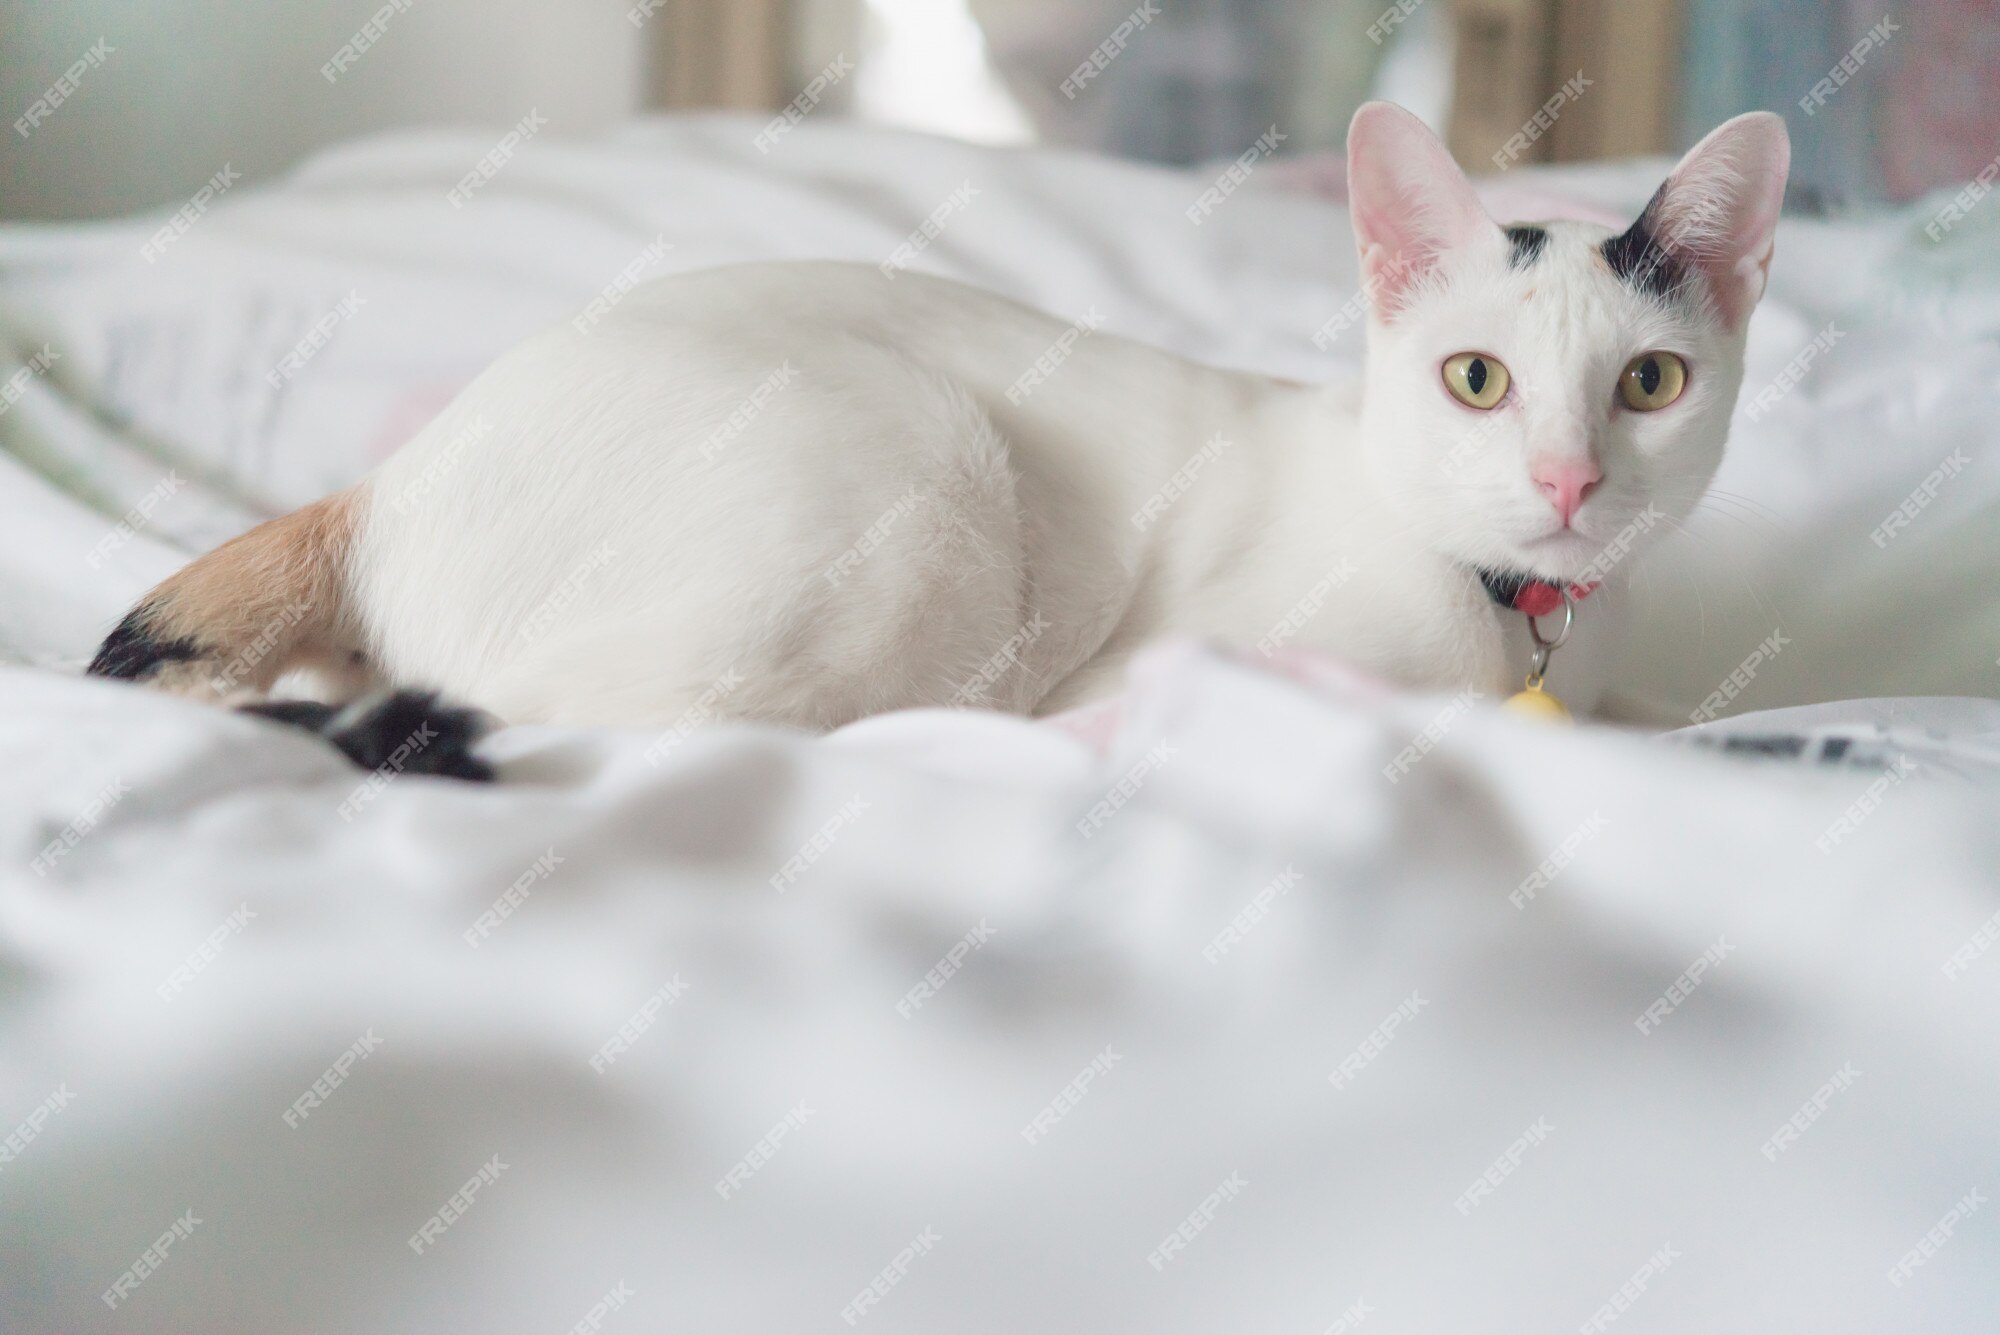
[[806, 493]]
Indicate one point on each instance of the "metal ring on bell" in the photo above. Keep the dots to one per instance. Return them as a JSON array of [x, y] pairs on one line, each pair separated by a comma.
[[1562, 636]]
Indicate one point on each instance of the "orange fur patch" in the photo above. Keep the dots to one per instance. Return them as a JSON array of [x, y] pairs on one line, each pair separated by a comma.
[[272, 599]]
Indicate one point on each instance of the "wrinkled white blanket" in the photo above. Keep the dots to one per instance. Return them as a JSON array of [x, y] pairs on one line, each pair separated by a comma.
[[1256, 1002], [1474, 1048]]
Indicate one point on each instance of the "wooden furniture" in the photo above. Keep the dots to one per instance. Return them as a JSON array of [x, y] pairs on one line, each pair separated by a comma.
[[1514, 56], [716, 53]]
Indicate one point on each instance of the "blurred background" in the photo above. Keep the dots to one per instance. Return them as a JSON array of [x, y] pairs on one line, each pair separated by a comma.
[[171, 89]]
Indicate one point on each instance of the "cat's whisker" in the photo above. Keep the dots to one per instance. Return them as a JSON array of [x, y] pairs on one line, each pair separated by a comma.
[[1762, 524], [1763, 605], [1748, 503], [1742, 512]]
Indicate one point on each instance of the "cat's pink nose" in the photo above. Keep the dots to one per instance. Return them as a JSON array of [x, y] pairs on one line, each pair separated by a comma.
[[1567, 483]]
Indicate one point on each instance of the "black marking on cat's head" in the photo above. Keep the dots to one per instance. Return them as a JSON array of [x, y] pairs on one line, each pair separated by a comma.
[[1640, 261], [131, 651], [1528, 243]]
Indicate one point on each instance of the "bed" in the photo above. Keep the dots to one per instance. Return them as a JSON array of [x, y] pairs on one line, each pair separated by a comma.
[[1225, 1005]]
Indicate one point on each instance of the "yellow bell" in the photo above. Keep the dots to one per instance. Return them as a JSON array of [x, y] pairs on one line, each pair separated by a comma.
[[1533, 702]]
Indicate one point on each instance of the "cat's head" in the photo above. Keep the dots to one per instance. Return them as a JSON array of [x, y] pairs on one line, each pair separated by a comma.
[[1532, 390]]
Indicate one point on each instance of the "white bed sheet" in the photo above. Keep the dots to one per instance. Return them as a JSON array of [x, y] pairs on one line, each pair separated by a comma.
[[1869, 955], [1829, 968]]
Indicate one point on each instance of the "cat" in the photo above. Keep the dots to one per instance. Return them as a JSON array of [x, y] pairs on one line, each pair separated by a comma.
[[811, 492]]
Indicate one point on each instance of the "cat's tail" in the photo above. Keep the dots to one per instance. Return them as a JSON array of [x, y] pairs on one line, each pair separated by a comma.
[[226, 626]]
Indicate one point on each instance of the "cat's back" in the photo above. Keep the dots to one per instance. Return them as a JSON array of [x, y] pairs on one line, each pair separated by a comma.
[[1010, 355], [804, 298]]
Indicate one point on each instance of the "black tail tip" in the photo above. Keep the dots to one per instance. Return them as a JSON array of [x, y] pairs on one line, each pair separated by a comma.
[[407, 732]]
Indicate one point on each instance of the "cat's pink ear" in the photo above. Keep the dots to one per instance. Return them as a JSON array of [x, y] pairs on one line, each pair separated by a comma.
[[1718, 211], [1411, 204]]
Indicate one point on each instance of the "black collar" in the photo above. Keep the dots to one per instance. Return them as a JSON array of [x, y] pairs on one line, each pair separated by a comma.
[[1504, 586]]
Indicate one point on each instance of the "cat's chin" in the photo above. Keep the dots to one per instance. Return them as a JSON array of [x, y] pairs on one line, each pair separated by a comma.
[[1560, 556]]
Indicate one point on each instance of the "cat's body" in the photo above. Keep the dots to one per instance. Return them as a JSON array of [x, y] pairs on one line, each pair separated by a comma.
[[809, 492], [888, 520]]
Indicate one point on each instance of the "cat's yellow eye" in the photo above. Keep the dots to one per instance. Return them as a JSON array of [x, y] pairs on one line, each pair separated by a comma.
[[1652, 380], [1475, 379]]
